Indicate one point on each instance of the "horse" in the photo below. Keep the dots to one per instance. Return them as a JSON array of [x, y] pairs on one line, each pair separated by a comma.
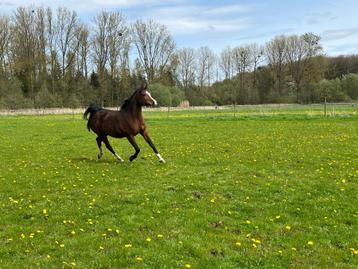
[[127, 122]]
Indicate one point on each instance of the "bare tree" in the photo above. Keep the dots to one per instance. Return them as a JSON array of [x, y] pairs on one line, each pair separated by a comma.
[[66, 41], [299, 51], [257, 53], [276, 55], [243, 62], [205, 61], [41, 43], [154, 46], [118, 41], [111, 45], [83, 50], [227, 63], [186, 67], [4, 43], [23, 48]]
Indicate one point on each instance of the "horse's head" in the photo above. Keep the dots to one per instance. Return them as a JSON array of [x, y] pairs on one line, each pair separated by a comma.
[[144, 98]]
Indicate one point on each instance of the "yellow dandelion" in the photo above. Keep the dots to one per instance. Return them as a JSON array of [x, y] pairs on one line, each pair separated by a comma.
[[101, 248], [128, 245], [160, 236], [148, 239], [294, 249], [288, 227], [238, 244], [280, 251], [310, 243], [187, 265], [248, 222], [139, 259], [62, 245], [73, 232], [23, 236]]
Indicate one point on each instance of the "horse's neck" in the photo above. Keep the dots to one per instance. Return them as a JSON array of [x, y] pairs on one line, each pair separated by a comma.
[[135, 111]]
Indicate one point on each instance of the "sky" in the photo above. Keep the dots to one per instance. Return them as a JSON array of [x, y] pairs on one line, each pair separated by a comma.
[[219, 24]]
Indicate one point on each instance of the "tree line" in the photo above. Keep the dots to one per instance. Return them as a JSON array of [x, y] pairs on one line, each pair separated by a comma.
[[49, 58]]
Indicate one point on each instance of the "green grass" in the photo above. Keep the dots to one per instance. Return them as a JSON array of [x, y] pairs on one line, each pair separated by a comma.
[[245, 192]]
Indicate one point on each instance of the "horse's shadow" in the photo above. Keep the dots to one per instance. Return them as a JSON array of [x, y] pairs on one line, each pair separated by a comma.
[[92, 160]]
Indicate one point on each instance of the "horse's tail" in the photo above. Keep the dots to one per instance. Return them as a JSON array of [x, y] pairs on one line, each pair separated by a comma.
[[91, 110]]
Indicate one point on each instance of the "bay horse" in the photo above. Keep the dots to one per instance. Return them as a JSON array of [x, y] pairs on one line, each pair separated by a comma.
[[127, 122]]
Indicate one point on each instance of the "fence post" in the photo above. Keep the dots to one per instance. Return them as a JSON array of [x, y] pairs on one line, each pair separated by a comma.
[[325, 107]]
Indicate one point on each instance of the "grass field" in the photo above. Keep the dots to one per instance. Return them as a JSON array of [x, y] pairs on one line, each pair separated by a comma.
[[262, 190]]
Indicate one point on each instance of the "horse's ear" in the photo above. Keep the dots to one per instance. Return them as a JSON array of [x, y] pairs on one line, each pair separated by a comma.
[[145, 86]]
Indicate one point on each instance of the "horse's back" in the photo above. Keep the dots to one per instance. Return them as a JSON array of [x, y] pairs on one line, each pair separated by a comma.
[[108, 122]]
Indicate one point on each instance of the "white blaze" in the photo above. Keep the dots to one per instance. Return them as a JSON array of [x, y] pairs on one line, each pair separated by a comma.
[[150, 96]]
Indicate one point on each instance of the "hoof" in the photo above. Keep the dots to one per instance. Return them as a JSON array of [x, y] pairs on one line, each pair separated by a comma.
[[99, 156], [162, 161], [120, 160], [131, 158]]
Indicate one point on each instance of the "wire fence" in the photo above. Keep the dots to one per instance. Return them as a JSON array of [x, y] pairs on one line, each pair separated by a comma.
[[322, 109]]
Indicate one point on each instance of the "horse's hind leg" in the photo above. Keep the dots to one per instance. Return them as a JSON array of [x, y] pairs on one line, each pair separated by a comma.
[[131, 140], [99, 144], [109, 147]]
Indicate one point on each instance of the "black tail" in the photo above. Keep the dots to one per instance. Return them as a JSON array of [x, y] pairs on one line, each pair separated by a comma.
[[91, 109]]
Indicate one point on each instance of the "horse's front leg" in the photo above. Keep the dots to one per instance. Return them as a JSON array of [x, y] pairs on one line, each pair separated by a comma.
[[131, 140], [151, 144]]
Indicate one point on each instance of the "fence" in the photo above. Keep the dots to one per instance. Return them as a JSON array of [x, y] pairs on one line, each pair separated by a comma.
[[328, 109]]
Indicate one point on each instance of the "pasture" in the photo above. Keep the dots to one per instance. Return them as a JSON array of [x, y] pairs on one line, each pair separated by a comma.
[[266, 189]]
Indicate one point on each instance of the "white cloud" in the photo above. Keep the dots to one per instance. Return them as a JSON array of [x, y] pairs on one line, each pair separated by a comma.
[[334, 34]]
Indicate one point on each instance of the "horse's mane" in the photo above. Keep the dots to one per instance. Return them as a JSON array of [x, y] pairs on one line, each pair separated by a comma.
[[126, 101]]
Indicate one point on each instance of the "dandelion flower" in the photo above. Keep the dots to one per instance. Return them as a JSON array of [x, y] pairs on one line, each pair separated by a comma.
[[138, 259], [310, 243], [148, 239], [128, 245], [187, 265]]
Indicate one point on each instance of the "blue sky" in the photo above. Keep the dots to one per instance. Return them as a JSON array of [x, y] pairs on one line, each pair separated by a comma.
[[218, 24]]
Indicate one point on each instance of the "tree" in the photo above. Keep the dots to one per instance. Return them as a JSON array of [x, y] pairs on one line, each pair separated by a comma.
[[5, 34], [111, 45], [243, 61], [350, 85], [205, 61], [299, 51], [226, 62], [66, 33], [154, 46], [186, 67], [276, 56]]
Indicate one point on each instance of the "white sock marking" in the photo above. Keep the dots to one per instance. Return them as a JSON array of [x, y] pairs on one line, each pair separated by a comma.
[[119, 158], [160, 158]]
